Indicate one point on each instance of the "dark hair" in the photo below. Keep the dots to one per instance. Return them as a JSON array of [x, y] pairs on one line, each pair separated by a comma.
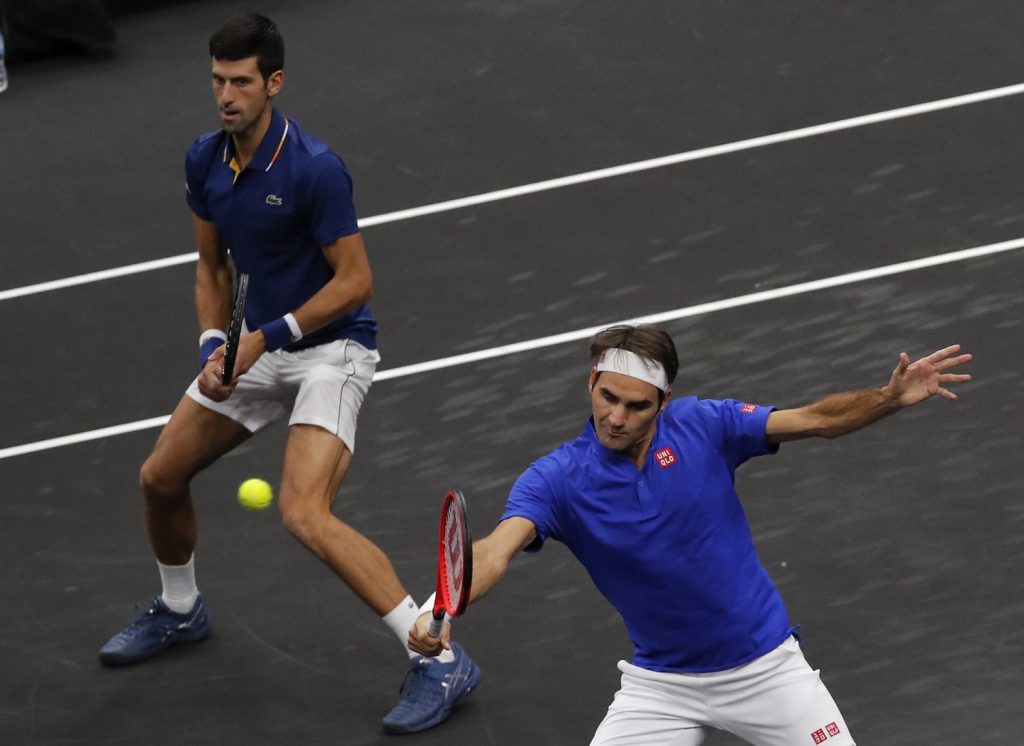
[[645, 340], [249, 35]]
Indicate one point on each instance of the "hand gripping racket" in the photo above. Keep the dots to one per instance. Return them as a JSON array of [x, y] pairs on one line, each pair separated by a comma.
[[235, 330], [454, 562]]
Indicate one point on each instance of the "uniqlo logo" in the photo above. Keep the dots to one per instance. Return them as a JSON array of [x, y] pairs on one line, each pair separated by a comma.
[[833, 729], [665, 457], [819, 736], [748, 408]]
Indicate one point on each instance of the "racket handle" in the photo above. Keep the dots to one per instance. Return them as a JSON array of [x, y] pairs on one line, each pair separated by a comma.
[[434, 630]]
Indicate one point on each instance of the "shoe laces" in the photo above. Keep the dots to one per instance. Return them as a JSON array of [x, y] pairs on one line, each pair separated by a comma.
[[418, 684], [135, 629]]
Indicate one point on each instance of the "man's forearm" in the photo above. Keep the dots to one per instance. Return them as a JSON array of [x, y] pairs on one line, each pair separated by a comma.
[[839, 414], [337, 298], [213, 296]]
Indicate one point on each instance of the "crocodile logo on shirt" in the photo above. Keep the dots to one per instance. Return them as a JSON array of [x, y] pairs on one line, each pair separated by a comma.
[[273, 199]]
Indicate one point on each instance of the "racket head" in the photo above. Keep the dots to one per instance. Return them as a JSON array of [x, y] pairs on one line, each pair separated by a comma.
[[235, 329], [454, 560]]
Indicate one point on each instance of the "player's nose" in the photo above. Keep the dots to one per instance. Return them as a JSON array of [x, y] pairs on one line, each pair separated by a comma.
[[617, 416]]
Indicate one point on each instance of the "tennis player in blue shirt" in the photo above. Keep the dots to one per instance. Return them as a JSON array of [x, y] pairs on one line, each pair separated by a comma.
[[272, 201], [644, 498]]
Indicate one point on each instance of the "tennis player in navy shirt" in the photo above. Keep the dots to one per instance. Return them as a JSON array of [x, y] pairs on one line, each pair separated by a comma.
[[645, 499], [272, 201]]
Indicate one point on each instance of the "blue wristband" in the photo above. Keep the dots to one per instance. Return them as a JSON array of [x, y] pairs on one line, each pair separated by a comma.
[[276, 334], [206, 349]]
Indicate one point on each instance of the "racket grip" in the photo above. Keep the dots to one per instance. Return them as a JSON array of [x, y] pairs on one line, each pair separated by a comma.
[[434, 630]]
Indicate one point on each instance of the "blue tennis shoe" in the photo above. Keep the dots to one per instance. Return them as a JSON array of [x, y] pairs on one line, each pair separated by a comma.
[[155, 631], [430, 690]]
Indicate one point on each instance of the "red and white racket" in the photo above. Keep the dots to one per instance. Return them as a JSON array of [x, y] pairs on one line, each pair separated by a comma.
[[454, 561]]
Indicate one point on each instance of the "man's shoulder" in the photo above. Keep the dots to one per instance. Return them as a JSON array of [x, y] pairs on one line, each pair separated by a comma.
[[692, 411], [686, 406], [206, 142], [306, 144], [571, 453], [202, 153], [313, 161]]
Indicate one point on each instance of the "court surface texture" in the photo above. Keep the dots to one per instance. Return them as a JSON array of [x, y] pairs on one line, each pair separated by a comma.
[[898, 549]]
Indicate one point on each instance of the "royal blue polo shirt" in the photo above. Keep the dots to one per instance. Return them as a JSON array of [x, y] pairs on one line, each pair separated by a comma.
[[293, 198], [668, 545]]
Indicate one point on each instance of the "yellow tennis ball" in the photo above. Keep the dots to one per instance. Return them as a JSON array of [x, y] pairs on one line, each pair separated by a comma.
[[255, 494]]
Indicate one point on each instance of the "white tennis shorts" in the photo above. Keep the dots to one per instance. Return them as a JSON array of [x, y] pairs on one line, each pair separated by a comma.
[[776, 700], [323, 386]]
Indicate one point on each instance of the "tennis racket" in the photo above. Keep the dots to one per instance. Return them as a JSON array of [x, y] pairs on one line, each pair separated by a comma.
[[454, 561], [235, 330]]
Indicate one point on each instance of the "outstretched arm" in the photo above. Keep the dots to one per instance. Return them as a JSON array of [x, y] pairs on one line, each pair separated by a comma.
[[840, 414], [491, 556]]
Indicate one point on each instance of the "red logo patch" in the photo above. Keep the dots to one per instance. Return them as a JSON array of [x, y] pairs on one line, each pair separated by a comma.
[[833, 729], [665, 457], [748, 408], [819, 736]]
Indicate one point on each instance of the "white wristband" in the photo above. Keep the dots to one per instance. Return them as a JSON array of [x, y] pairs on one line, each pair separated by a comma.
[[212, 334], [289, 319]]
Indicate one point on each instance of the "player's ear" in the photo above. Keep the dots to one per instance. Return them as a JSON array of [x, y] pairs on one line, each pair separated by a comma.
[[275, 83], [664, 400], [593, 380]]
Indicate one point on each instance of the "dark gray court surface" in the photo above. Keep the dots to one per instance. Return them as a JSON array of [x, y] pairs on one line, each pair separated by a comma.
[[898, 549]]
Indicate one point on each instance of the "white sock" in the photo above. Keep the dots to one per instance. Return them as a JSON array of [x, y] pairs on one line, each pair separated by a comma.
[[180, 591]]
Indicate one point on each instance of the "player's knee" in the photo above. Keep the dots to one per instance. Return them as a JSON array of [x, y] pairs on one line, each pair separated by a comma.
[[301, 522], [160, 486]]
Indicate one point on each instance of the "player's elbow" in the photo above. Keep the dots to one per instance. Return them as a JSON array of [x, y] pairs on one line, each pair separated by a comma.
[[366, 290], [499, 567], [826, 426], [361, 289], [351, 292]]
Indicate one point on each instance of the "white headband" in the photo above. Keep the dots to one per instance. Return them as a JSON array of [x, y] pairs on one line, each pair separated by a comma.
[[630, 364]]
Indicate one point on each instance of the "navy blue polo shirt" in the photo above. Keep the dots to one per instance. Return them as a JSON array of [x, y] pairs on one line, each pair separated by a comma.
[[668, 545], [293, 198]]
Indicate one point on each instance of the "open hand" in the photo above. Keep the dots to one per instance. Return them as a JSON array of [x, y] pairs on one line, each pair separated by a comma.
[[914, 382]]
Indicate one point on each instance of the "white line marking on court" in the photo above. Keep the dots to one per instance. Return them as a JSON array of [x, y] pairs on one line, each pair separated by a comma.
[[104, 274], [564, 181], [68, 440], [694, 155], [703, 308], [573, 336]]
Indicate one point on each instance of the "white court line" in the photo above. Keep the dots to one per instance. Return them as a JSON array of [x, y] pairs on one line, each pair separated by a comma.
[[564, 181], [103, 274], [69, 440], [557, 339]]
